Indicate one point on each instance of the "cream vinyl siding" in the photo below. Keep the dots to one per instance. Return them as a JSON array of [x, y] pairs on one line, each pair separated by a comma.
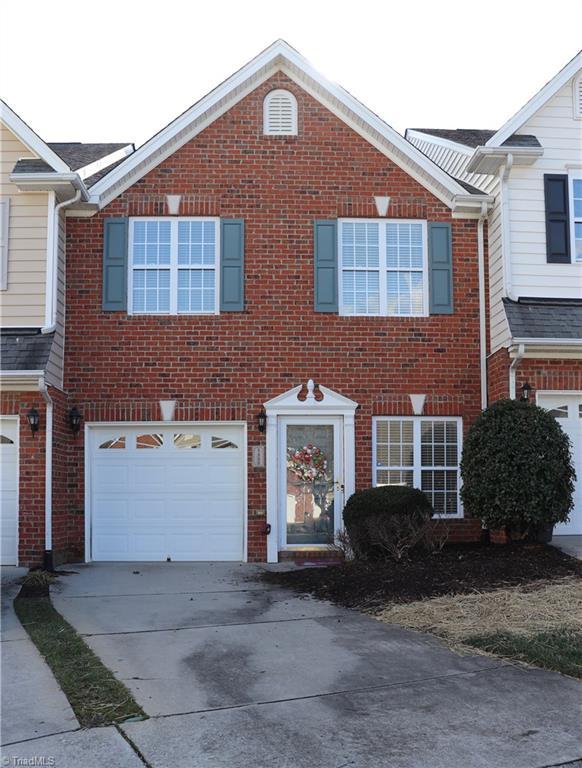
[[560, 134], [55, 362], [23, 302]]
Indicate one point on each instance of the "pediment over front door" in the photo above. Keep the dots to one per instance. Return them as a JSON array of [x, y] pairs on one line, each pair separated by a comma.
[[310, 397]]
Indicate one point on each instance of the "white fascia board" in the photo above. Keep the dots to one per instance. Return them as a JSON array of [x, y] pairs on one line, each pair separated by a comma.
[[104, 162], [536, 102], [278, 56], [32, 140], [521, 156], [462, 149]]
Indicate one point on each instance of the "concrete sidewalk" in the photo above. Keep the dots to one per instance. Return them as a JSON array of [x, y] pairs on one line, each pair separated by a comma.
[[234, 672], [37, 720]]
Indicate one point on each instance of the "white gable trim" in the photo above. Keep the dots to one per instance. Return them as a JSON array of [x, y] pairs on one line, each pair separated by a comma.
[[538, 101], [27, 136], [288, 403], [279, 56]]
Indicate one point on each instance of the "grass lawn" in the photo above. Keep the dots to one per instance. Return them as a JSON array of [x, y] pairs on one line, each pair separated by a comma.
[[559, 650], [96, 696], [519, 601]]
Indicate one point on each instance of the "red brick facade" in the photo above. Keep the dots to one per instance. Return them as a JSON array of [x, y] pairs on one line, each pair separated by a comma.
[[542, 374], [226, 366]]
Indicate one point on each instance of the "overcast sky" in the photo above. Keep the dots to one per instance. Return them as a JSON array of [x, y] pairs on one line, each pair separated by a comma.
[[119, 70]]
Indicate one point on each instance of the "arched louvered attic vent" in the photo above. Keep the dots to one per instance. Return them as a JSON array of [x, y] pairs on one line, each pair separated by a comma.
[[578, 97], [280, 114]]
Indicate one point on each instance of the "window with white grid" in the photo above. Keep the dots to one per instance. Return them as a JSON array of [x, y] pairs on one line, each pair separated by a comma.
[[576, 214], [383, 267], [421, 452], [173, 265]]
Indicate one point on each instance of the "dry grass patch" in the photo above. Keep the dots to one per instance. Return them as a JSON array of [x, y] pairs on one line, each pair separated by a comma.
[[540, 623], [537, 607]]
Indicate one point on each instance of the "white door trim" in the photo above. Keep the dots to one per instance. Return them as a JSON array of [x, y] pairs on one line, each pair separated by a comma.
[[288, 404], [339, 495], [164, 425], [16, 420]]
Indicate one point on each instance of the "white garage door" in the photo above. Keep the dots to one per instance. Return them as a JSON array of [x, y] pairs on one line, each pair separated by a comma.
[[568, 411], [160, 492], [9, 490]]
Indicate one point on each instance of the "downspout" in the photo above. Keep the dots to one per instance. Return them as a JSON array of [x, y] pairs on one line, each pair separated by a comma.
[[506, 228], [48, 563], [513, 370], [482, 305], [53, 266]]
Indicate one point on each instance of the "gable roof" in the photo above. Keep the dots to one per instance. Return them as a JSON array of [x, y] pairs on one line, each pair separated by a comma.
[[31, 139], [541, 97], [280, 56]]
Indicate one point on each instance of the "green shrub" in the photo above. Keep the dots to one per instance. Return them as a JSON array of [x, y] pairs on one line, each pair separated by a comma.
[[387, 521], [517, 469]]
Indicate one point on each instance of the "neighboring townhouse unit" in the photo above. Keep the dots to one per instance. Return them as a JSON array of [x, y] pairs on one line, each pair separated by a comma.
[[271, 303], [533, 167], [37, 182]]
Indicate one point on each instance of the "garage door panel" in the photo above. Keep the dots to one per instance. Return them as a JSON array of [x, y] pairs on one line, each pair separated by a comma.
[[186, 503], [111, 476], [8, 491], [567, 408]]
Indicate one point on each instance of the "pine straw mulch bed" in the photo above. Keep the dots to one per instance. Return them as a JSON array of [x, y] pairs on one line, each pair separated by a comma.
[[457, 569]]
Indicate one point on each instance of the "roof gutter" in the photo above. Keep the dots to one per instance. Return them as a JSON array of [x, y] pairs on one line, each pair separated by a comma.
[[487, 160], [49, 181]]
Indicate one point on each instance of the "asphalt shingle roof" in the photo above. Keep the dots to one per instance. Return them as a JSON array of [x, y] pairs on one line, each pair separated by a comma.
[[32, 165], [24, 350], [77, 154], [475, 137], [544, 318]]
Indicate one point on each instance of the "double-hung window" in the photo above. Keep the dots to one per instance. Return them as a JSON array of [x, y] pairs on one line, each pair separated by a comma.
[[383, 267], [420, 452], [173, 266], [576, 214]]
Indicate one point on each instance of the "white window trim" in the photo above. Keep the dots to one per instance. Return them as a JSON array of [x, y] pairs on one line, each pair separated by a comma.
[[266, 103], [4, 241], [383, 268], [173, 266], [573, 176], [417, 467]]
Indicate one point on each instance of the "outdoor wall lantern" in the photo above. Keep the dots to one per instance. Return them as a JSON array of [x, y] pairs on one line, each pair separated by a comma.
[[262, 420], [75, 419], [525, 392], [33, 420]]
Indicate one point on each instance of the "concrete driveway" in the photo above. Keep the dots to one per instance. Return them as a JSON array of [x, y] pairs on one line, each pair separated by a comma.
[[233, 672]]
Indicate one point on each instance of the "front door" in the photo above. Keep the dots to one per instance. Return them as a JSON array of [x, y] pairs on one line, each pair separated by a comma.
[[311, 481]]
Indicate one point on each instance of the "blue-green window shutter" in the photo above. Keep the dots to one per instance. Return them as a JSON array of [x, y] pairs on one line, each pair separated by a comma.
[[325, 259], [232, 265], [115, 264], [440, 267]]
